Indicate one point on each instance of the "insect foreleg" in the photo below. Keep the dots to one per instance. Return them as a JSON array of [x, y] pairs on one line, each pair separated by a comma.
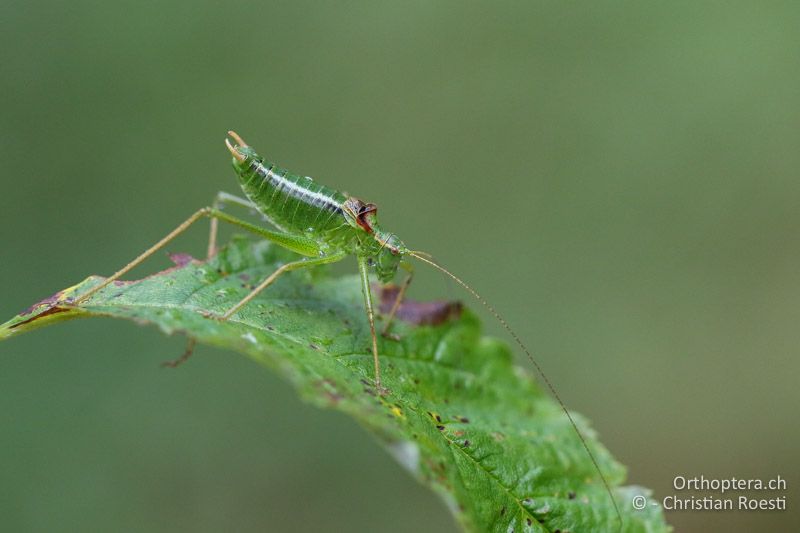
[[363, 270], [399, 298], [272, 277]]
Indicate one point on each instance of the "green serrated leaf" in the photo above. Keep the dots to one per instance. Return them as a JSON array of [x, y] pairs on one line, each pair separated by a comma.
[[459, 416]]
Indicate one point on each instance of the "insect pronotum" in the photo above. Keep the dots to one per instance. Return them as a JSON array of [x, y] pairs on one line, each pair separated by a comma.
[[324, 226]]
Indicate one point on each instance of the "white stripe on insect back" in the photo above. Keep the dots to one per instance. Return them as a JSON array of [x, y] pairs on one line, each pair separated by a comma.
[[303, 190]]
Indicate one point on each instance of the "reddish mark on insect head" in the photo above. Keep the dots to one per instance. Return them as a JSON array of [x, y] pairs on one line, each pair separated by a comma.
[[363, 213], [366, 217]]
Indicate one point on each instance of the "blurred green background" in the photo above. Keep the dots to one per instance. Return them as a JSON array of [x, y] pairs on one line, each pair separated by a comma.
[[618, 178]]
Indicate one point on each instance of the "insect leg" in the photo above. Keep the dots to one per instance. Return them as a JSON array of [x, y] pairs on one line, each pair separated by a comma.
[[363, 270], [223, 198], [147, 253], [294, 265], [399, 298], [220, 200], [187, 353], [300, 245]]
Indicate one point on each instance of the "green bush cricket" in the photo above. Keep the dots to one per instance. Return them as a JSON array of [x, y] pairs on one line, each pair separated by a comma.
[[324, 226]]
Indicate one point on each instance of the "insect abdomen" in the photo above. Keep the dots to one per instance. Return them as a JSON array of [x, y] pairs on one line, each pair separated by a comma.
[[293, 203]]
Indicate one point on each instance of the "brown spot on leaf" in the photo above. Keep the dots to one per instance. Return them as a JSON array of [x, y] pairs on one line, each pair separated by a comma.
[[181, 259], [49, 301], [52, 311], [329, 389], [414, 312]]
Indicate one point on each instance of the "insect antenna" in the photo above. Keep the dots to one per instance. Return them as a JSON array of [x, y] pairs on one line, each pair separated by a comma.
[[427, 258]]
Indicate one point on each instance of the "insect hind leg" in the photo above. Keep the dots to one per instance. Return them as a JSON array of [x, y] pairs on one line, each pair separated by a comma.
[[183, 226], [220, 200]]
